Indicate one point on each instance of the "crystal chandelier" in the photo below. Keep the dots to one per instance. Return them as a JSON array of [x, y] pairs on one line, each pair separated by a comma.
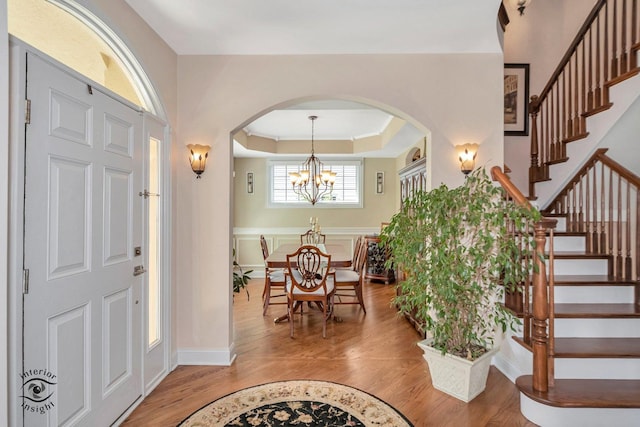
[[313, 181]]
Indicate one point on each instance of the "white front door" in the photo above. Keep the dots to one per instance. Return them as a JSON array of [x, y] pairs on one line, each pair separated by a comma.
[[82, 311]]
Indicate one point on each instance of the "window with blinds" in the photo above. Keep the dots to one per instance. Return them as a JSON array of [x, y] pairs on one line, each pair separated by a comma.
[[346, 190]]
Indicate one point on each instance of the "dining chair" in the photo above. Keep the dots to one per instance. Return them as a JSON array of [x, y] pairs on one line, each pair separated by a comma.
[[349, 282], [308, 280], [273, 280], [308, 238]]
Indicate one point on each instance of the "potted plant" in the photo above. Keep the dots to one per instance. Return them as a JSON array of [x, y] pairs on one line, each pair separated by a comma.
[[240, 277], [454, 249]]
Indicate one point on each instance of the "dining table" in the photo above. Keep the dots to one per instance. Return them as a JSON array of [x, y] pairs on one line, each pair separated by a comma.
[[340, 257]]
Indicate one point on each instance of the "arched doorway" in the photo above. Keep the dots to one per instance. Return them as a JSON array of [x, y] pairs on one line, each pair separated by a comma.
[[282, 225]]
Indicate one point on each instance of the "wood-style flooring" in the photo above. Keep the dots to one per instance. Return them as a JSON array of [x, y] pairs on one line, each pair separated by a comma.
[[376, 352]]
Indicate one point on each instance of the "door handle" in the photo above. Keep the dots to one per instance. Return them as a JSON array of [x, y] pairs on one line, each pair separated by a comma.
[[138, 270], [146, 194]]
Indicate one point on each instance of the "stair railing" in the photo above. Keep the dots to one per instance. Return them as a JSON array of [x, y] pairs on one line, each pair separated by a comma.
[[603, 53], [533, 301], [603, 200]]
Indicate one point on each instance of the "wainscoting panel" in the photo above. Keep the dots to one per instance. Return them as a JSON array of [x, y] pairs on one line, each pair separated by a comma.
[[246, 242]]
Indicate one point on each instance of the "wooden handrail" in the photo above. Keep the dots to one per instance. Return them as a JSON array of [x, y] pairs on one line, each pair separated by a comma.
[[567, 56], [510, 188], [598, 155]]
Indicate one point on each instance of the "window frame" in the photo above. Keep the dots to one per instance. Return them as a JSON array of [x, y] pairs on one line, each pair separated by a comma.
[[358, 163]]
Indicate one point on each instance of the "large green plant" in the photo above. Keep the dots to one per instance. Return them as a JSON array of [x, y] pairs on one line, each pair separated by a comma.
[[455, 249]]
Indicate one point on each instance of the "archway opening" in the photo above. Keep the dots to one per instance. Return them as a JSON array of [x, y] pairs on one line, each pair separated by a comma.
[[255, 151]]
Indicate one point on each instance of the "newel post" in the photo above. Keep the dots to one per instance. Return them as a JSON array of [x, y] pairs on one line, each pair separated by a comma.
[[539, 339], [534, 108]]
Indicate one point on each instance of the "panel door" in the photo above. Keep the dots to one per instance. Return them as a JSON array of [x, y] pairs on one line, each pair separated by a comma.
[[82, 316]]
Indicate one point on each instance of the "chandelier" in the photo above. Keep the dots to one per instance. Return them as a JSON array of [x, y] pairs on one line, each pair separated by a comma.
[[313, 181]]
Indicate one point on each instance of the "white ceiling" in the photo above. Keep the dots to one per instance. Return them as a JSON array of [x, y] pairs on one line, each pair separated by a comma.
[[301, 27]]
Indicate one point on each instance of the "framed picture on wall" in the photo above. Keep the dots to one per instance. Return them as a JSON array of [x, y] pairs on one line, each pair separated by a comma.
[[516, 99]]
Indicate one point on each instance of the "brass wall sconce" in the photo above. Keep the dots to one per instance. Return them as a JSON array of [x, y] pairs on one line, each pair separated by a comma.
[[467, 155], [520, 5], [198, 157]]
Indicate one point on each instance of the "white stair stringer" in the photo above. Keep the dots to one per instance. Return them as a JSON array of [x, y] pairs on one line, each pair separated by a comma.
[[551, 416]]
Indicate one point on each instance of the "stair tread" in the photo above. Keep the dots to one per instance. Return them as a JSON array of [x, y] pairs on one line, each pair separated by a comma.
[[596, 310], [573, 347], [590, 279], [585, 393]]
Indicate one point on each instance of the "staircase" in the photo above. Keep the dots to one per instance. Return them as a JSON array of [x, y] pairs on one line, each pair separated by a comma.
[[579, 347], [595, 351], [576, 359]]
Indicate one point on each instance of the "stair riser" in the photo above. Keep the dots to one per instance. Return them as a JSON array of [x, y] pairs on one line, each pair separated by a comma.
[[628, 369], [561, 224], [593, 294], [580, 266], [568, 243], [597, 328]]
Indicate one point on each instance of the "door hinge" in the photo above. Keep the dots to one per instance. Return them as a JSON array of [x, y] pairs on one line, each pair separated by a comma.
[[27, 111], [25, 281]]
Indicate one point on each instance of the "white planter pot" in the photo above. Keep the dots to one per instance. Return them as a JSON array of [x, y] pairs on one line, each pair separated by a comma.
[[458, 377]]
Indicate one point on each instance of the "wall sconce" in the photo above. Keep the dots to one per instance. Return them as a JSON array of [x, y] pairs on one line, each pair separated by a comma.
[[379, 182], [467, 155], [520, 5], [198, 157]]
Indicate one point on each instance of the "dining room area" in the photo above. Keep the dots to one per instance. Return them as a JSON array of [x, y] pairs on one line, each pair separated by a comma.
[[328, 173]]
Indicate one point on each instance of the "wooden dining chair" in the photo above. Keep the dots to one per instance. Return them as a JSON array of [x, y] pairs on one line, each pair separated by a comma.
[[273, 280], [307, 238], [349, 282], [308, 280]]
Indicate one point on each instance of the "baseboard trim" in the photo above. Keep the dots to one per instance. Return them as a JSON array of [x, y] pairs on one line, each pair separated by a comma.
[[507, 368], [215, 357]]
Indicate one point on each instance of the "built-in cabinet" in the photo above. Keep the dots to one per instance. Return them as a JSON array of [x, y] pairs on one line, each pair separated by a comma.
[[413, 177]]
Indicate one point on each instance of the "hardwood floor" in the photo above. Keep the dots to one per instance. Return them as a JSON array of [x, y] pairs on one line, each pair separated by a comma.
[[376, 352]]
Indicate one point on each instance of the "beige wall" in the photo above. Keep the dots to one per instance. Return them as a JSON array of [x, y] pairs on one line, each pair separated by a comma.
[[457, 98], [253, 217], [250, 210]]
